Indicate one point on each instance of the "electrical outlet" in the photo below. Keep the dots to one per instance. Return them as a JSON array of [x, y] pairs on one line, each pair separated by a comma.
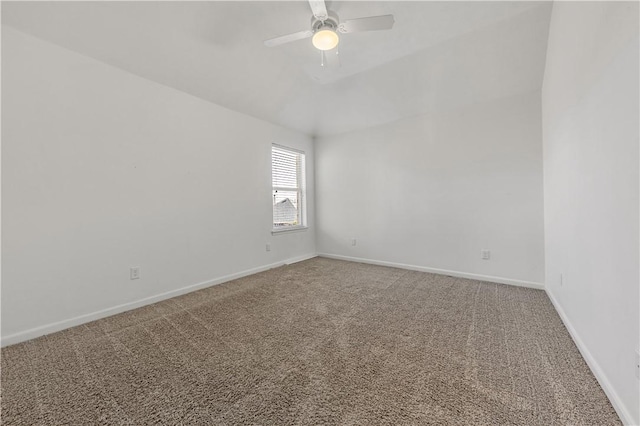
[[353, 241], [268, 247], [485, 254], [135, 273]]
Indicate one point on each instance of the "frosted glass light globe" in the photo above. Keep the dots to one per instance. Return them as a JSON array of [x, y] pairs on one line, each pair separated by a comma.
[[325, 39]]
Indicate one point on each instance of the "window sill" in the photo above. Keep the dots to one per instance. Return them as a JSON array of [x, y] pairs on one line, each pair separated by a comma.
[[289, 229]]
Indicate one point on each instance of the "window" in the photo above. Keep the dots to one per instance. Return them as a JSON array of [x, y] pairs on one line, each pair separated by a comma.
[[288, 192]]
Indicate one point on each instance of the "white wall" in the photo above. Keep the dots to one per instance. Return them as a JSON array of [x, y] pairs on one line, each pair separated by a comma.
[[432, 191], [103, 170], [590, 130]]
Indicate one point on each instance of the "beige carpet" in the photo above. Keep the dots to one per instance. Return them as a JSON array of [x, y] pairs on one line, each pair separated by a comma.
[[318, 342]]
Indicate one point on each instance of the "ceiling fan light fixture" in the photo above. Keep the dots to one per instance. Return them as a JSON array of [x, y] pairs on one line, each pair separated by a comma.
[[325, 39]]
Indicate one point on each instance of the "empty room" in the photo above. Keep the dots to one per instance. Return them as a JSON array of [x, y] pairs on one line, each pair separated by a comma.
[[320, 212]]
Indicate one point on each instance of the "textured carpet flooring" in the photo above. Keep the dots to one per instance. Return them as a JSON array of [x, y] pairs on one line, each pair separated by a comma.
[[318, 342]]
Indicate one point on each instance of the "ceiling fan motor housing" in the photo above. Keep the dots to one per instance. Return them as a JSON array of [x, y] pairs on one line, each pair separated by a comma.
[[329, 23]]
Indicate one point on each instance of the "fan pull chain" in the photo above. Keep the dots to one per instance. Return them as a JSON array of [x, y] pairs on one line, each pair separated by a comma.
[[322, 58]]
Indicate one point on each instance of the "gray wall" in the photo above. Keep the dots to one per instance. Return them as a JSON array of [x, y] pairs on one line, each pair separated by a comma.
[[104, 170], [432, 191], [590, 116]]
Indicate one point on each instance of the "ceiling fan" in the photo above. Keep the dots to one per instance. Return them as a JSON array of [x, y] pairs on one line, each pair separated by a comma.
[[325, 26]]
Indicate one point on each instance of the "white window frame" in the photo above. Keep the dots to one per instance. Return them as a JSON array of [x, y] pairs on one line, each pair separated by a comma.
[[300, 189]]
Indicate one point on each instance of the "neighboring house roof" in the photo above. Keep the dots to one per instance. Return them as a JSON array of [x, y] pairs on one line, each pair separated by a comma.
[[284, 212]]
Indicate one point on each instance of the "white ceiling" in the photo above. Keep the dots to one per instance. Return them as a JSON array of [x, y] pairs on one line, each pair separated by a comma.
[[438, 56]]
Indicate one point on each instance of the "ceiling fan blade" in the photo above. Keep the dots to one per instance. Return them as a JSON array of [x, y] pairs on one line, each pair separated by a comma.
[[319, 9], [288, 38], [372, 23]]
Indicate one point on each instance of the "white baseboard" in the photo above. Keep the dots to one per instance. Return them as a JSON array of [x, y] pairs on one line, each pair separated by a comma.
[[83, 319], [605, 384], [500, 280], [297, 259]]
